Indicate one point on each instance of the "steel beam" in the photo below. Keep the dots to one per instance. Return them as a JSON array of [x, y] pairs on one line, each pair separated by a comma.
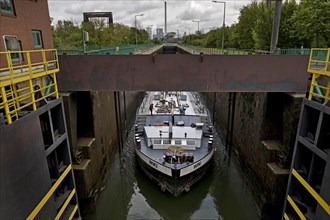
[[206, 73]]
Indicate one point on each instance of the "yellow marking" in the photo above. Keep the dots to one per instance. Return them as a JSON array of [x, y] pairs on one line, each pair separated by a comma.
[[318, 198], [286, 217], [73, 212], [41, 204], [295, 207], [66, 203]]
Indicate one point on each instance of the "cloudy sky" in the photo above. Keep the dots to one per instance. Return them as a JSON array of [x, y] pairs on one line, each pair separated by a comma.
[[180, 13]]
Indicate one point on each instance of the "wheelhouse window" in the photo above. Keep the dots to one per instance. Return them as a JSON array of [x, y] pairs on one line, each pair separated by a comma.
[[166, 141], [157, 141], [191, 142], [12, 44], [37, 39], [177, 142], [7, 7]]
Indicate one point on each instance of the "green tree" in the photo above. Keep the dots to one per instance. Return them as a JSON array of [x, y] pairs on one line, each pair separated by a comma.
[[311, 23], [231, 37], [69, 34], [56, 39], [286, 39], [210, 39], [246, 22], [262, 29], [66, 34]]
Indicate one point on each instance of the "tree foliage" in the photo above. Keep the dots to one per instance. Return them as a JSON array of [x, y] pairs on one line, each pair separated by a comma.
[[246, 22], [67, 34], [311, 22], [305, 24]]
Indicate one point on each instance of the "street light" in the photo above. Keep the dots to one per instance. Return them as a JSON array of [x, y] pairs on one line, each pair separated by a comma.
[[136, 28], [197, 24], [223, 24]]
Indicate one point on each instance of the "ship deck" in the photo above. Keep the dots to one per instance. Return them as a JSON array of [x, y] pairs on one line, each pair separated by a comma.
[[157, 155], [193, 109]]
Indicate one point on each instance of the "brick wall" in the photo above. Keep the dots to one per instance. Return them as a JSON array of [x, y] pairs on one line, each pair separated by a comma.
[[30, 15]]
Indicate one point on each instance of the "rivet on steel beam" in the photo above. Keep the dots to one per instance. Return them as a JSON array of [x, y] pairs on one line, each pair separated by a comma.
[[201, 54], [154, 57]]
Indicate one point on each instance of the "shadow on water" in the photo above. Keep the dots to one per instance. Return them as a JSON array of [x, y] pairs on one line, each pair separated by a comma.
[[129, 194]]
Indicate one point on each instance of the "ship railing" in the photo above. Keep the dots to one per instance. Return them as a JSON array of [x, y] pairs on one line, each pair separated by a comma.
[[319, 67], [27, 79]]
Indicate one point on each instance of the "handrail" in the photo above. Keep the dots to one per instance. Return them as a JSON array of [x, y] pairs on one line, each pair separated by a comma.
[[319, 61], [236, 51], [66, 203], [319, 67], [18, 80], [38, 61], [295, 207], [104, 50], [43, 201], [73, 212], [316, 196], [286, 217]]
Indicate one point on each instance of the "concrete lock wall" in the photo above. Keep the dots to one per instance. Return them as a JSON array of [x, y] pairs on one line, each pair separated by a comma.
[[98, 122], [264, 132]]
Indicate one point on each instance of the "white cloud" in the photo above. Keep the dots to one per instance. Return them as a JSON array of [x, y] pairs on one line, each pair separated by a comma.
[[179, 13]]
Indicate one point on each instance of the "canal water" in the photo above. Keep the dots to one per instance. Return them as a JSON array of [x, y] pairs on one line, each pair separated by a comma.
[[128, 194]]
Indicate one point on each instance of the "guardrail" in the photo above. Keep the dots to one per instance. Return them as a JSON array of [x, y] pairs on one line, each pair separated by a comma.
[[319, 67], [27, 79], [105, 50], [51, 192], [235, 51], [293, 200]]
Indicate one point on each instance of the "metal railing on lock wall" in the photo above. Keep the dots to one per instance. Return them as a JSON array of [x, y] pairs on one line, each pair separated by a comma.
[[105, 50], [27, 79], [235, 51], [319, 67]]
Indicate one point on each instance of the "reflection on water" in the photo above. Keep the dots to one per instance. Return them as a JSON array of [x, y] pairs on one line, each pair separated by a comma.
[[129, 194]]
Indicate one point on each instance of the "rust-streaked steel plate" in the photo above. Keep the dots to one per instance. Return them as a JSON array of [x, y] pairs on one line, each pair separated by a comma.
[[185, 72]]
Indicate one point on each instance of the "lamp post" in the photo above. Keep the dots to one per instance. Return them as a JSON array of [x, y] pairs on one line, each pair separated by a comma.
[[136, 28], [223, 24], [197, 24]]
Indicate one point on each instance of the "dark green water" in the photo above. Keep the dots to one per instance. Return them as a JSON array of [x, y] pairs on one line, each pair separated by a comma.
[[129, 194]]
